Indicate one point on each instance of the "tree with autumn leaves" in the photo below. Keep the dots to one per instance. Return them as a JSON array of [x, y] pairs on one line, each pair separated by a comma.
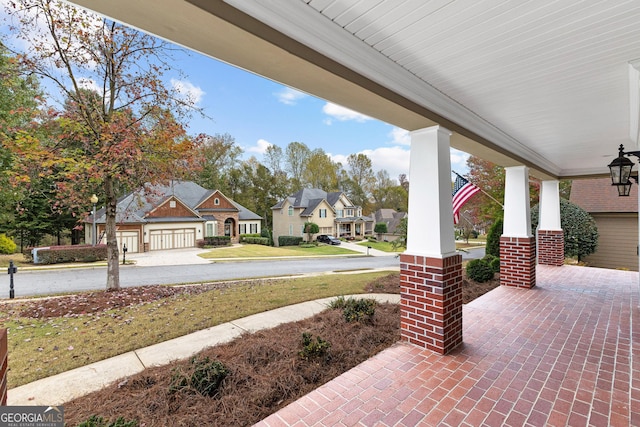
[[121, 126]]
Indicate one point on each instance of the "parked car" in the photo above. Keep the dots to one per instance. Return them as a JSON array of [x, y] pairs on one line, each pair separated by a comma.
[[329, 240]]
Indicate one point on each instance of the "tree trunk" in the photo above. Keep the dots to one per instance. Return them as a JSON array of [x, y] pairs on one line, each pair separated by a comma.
[[113, 262]]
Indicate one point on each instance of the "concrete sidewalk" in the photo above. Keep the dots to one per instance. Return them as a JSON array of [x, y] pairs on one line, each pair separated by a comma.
[[61, 388]]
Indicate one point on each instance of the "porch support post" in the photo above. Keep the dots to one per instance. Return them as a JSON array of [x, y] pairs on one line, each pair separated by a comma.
[[550, 237], [517, 244], [430, 269]]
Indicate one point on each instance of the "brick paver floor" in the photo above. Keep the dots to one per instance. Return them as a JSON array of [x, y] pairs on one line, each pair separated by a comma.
[[564, 353]]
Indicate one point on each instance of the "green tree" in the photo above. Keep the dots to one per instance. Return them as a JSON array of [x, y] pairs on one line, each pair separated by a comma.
[[122, 124], [215, 157], [320, 171], [580, 230], [20, 97], [311, 228], [380, 228], [403, 233], [361, 178], [296, 156], [493, 239]]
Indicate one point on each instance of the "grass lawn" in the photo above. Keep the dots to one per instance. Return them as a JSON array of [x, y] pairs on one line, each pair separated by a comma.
[[382, 246], [18, 260], [260, 251], [43, 346]]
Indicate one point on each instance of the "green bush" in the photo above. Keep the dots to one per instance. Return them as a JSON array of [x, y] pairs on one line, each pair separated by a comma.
[[289, 240], [205, 377], [72, 253], [495, 265], [257, 241], [96, 421], [493, 239], [579, 227], [313, 349], [7, 245], [493, 261], [214, 241], [355, 310], [243, 237], [479, 270]]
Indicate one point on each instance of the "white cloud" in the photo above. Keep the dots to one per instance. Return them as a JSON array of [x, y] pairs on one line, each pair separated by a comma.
[[260, 147], [400, 136], [342, 114], [90, 84], [459, 161], [289, 96], [190, 93]]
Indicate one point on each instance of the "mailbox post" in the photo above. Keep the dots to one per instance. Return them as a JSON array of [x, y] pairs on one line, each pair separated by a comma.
[[124, 252], [11, 271]]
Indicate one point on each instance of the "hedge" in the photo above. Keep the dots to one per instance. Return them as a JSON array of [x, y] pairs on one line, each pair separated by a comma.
[[257, 241], [73, 253], [214, 241], [289, 240]]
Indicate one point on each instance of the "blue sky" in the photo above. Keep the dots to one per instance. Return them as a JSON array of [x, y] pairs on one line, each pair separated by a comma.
[[258, 112]]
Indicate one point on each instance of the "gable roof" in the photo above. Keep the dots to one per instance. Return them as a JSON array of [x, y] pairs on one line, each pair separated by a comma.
[[310, 198], [136, 206], [598, 196], [391, 217]]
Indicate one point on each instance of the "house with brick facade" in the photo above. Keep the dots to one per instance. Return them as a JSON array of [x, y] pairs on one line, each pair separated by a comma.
[[175, 216], [334, 213], [616, 219]]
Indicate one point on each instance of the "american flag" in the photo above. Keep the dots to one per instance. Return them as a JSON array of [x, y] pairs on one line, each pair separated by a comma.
[[463, 190]]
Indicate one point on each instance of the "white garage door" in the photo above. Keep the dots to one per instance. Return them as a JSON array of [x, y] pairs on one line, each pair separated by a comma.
[[172, 239], [130, 238]]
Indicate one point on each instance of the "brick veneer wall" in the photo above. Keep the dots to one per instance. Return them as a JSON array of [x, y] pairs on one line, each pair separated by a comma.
[[518, 261], [551, 247], [431, 301], [3, 369]]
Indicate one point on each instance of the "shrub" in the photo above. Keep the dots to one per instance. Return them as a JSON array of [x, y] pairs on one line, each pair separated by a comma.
[[257, 241], [479, 270], [495, 265], [7, 245], [206, 377], [96, 421], [245, 236], [355, 310], [72, 253], [493, 239], [313, 349], [579, 227], [214, 241], [289, 240]]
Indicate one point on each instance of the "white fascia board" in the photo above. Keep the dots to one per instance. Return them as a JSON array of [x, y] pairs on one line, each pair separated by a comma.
[[299, 21]]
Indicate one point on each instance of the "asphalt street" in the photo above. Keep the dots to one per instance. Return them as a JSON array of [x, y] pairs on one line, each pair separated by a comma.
[[54, 281]]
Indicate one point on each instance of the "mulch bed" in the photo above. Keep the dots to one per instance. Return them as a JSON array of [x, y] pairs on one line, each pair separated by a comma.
[[266, 371]]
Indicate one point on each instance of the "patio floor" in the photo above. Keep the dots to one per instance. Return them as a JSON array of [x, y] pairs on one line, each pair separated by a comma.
[[564, 353]]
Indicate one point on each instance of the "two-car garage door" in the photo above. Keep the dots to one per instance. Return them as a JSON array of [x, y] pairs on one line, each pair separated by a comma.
[[172, 239]]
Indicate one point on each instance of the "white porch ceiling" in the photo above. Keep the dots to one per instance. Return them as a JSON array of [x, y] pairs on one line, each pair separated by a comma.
[[544, 83]]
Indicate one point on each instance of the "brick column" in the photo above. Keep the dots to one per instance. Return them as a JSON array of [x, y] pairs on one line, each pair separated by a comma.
[[518, 261], [551, 247], [431, 301]]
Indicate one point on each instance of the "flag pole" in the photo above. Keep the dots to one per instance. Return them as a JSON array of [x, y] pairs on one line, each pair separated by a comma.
[[484, 192]]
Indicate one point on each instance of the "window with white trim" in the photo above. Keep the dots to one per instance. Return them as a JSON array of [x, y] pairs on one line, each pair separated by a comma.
[[322, 213], [253, 228], [290, 210]]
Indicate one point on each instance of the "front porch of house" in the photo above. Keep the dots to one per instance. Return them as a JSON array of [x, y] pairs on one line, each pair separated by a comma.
[[566, 352]]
